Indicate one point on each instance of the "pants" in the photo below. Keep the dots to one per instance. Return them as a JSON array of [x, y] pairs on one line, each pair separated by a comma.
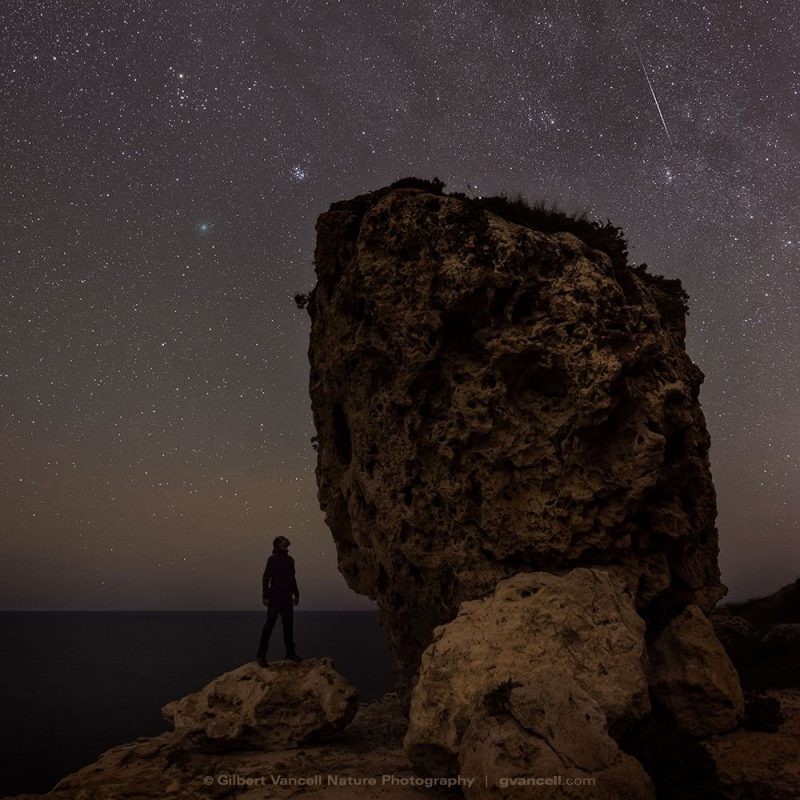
[[285, 607]]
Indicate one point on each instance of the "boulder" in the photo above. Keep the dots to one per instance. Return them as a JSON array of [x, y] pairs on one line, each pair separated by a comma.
[[251, 707], [492, 399], [533, 677], [693, 678]]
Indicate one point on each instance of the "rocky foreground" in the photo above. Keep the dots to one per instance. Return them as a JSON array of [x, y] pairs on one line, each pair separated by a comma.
[[296, 731], [285, 731]]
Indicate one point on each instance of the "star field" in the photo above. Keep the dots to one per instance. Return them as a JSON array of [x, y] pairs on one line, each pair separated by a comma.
[[163, 167]]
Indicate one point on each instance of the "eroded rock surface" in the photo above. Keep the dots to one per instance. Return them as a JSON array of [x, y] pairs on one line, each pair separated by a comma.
[[490, 399], [531, 681], [265, 709], [694, 679]]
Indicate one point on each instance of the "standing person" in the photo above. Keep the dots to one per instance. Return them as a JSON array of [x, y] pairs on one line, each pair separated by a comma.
[[280, 594]]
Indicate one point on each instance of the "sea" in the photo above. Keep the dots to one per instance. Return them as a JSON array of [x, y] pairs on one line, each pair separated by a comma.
[[75, 683]]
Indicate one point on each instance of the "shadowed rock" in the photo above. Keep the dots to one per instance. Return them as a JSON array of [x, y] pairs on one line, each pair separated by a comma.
[[753, 765], [694, 679]]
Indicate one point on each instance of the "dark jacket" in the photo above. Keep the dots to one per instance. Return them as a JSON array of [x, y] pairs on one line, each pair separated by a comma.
[[279, 579]]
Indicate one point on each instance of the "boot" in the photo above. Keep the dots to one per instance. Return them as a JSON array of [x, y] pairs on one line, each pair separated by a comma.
[[292, 656], [261, 660]]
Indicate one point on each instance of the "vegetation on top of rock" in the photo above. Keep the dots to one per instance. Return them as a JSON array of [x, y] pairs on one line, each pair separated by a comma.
[[606, 237], [434, 186]]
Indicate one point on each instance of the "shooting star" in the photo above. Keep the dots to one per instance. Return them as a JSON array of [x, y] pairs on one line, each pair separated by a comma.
[[652, 91]]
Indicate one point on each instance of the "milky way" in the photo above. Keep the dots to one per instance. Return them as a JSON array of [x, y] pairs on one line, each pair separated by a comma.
[[162, 172]]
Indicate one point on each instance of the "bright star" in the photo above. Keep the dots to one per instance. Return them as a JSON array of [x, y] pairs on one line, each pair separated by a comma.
[[298, 173], [203, 227]]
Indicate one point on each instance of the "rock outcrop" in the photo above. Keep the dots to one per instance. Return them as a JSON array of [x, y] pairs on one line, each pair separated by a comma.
[[490, 399], [693, 678], [529, 682], [265, 709]]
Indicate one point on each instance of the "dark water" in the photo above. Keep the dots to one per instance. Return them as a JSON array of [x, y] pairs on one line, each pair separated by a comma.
[[73, 684]]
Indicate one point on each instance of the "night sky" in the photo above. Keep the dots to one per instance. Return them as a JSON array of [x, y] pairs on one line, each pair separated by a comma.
[[163, 165]]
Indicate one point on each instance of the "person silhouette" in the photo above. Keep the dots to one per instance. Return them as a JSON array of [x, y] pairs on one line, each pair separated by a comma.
[[279, 594]]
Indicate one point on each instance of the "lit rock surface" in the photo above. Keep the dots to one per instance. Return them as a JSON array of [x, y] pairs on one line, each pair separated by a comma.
[[693, 678], [488, 400], [530, 680], [265, 709]]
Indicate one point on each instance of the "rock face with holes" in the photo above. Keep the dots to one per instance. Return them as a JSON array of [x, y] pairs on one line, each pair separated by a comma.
[[490, 399]]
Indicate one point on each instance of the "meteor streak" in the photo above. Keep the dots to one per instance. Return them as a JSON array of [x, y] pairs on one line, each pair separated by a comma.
[[653, 92]]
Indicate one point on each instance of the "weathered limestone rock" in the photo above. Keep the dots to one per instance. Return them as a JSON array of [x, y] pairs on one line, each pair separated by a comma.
[[693, 678], [530, 680], [490, 399], [265, 709]]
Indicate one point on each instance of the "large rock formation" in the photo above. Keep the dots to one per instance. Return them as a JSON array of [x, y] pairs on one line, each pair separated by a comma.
[[265, 709], [491, 399], [530, 682]]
